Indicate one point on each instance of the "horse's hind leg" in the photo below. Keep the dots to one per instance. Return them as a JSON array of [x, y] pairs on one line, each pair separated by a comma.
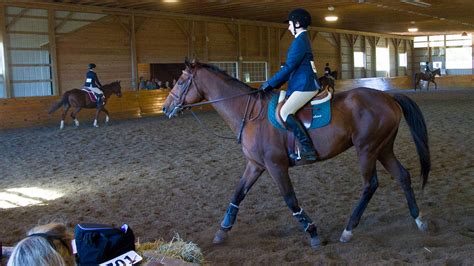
[[63, 116], [369, 173], [280, 176], [73, 115], [251, 174], [396, 169]]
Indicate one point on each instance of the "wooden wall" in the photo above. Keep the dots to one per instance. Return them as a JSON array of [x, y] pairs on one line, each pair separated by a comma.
[[33, 111], [122, 45]]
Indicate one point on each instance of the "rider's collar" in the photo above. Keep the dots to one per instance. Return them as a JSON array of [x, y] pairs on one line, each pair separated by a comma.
[[298, 34]]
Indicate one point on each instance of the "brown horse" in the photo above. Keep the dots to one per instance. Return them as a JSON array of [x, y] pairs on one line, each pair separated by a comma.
[[80, 99], [365, 118], [327, 83], [427, 77]]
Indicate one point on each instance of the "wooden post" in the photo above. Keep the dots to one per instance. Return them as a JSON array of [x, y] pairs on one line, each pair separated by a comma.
[[52, 50], [337, 40], [6, 55], [239, 52], [364, 50], [206, 42], [133, 52], [269, 65]]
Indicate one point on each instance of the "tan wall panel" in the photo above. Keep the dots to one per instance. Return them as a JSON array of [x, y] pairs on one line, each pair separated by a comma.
[[104, 43], [161, 41]]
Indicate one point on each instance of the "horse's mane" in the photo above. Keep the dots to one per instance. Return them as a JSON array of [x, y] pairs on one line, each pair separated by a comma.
[[111, 85], [227, 77]]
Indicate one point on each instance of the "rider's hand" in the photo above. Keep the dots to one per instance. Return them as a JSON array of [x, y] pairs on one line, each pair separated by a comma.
[[266, 87]]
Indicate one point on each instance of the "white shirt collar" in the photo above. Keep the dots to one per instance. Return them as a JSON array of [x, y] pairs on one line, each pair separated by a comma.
[[298, 34]]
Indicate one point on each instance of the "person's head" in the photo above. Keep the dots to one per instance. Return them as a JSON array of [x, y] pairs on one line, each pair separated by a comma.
[[45, 245], [298, 20], [427, 63], [91, 66], [327, 64]]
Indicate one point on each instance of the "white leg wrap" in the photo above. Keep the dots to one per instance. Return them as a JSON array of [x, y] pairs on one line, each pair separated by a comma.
[[95, 123], [107, 119], [76, 122], [61, 126], [422, 225], [346, 236]]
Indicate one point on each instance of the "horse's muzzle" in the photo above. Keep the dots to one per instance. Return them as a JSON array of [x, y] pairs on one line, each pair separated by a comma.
[[173, 112]]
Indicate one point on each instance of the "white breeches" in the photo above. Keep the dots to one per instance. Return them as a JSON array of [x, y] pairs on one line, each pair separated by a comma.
[[296, 100]]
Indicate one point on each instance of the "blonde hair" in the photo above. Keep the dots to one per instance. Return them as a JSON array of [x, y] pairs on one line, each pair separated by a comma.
[[49, 248]]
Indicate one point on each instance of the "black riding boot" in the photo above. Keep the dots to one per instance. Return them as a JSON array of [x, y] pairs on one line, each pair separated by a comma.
[[308, 153]]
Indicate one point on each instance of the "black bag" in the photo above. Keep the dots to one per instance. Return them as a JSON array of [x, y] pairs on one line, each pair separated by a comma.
[[98, 243]]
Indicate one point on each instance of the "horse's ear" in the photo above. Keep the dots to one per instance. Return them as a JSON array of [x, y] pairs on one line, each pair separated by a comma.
[[187, 63]]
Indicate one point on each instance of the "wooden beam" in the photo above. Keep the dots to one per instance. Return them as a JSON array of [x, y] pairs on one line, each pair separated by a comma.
[[17, 17], [138, 26], [6, 55], [239, 51], [64, 21], [162, 14], [52, 51], [120, 22], [232, 31], [313, 35], [282, 34]]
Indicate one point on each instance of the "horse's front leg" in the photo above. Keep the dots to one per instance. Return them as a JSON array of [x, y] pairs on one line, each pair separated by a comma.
[[436, 85], [279, 173], [107, 119], [251, 174], [97, 116]]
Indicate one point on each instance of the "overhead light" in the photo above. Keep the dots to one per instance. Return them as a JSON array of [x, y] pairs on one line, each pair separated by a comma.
[[331, 18], [330, 8], [464, 34], [412, 29], [170, 1]]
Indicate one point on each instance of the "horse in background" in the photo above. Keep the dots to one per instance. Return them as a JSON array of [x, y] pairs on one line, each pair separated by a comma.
[[79, 99], [364, 118], [327, 83], [419, 76]]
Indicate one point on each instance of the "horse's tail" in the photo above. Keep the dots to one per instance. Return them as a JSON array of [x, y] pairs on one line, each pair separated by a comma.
[[64, 100], [417, 125]]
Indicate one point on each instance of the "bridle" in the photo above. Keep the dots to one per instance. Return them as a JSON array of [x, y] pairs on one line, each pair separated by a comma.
[[180, 99]]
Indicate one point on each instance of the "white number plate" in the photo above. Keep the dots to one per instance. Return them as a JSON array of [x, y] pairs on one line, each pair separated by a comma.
[[126, 259]]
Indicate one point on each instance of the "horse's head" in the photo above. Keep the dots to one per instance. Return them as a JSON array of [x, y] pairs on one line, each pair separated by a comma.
[[116, 88], [184, 92]]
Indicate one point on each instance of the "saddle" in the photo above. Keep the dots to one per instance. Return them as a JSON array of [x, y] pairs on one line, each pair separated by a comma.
[[313, 114], [92, 96]]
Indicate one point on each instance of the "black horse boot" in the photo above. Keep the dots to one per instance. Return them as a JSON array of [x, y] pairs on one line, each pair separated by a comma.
[[308, 153]]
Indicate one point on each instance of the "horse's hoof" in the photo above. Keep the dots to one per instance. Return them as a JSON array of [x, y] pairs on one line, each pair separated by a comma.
[[422, 225], [315, 243], [219, 237], [346, 236]]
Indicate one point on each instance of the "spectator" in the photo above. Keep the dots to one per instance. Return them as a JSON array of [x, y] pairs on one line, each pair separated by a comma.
[[142, 84], [44, 245]]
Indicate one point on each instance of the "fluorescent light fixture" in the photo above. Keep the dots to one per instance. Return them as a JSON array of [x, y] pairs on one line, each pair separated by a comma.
[[412, 29], [170, 1], [331, 18]]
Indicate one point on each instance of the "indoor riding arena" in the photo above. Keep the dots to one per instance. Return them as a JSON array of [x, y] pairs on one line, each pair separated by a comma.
[[167, 177]]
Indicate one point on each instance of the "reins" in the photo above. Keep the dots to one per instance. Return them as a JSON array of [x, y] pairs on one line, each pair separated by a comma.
[[189, 106]]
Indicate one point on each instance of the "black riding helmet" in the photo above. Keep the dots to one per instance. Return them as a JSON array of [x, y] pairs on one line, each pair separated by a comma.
[[92, 65], [299, 15]]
